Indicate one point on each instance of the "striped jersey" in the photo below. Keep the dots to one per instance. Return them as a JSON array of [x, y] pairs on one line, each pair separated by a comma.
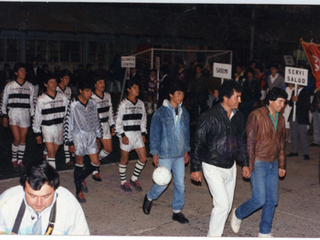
[[131, 117], [105, 109], [67, 91], [81, 118], [49, 111], [16, 96]]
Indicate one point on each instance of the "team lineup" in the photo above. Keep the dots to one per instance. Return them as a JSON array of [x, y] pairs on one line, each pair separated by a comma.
[[85, 126]]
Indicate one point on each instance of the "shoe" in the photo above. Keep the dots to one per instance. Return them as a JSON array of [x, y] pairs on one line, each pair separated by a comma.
[[146, 207], [97, 177], [70, 164], [84, 187], [292, 154], [314, 145], [126, 187], [15, 166], [136, 185], [306, 157], [180, 218], [235, 222], [80, 197], [21, 166], [267, 235]]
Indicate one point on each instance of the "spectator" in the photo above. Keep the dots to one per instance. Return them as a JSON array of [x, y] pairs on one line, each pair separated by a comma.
[[35, 76], [275, 79], [299, 126]]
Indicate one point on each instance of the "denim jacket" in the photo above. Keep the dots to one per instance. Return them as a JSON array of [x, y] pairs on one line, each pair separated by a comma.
[[169, 135]]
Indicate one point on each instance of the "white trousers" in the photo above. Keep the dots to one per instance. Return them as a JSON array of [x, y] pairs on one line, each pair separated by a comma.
[[221, 182]]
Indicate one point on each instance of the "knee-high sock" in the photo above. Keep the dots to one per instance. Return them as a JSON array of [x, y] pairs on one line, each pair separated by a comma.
[[14, 152], [88, 170], [103, 154], [137, 170], [78, 169], [123, 173], [52, 162], [22, 148], [66, 152]]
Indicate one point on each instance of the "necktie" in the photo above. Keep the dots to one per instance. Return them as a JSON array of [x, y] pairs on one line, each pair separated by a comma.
[[37, 226]]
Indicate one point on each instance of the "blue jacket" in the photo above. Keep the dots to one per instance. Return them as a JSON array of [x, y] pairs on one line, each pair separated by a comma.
[[169, 137]]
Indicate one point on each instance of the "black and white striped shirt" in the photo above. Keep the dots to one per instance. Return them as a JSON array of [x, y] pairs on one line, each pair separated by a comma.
[[131, 117], [49, 111], [16, 96], [105, 109], [67, 91]]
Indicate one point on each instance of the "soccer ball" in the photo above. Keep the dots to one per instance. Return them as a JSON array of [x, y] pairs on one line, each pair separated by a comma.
[[161, 176]]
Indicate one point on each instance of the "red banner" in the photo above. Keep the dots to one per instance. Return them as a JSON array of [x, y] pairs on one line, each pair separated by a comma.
[[312, 52]]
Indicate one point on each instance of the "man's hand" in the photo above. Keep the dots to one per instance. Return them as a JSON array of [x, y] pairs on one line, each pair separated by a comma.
[[125, 140], [5, 122], [196, 176], [155, 160], [246, 172], [113, 132], [144, 138], [294, 98], [282, 172], [39, 141], [72, 149], [186, 157]]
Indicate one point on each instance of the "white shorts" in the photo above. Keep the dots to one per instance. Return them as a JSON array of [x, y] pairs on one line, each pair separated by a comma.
[[135, 141], [85, 143], [19, 117], [53, 134], [106, 130]]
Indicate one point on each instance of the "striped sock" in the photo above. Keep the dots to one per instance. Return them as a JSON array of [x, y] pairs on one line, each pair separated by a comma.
[[14, 152], [137, 170], [21, 150], [103, 154], [123, 173], [52, 162], [66, 152]]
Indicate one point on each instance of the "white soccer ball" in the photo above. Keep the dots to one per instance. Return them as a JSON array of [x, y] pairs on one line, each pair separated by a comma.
[[161, 176]]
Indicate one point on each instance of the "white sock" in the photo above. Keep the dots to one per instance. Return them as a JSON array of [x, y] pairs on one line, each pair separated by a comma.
[[21, 150], [103, 154], [14, 151], [137, 170], [123, 173], [52, 162]]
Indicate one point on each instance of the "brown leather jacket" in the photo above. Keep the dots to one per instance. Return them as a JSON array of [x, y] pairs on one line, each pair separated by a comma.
[[262, 142]]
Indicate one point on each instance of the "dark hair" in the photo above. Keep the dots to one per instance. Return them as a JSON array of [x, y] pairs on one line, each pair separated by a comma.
[[176, 86], [132, 82], [50, 76], [85, 84], [98, 77], [273, 65], [38, 173], [6, 65], [228, 88], [274, 94], [250, 70], [34, 59], [65, 72], [18, 65]]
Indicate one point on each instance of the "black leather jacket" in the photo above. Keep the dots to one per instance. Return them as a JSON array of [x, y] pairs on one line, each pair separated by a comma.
[[218, 140]]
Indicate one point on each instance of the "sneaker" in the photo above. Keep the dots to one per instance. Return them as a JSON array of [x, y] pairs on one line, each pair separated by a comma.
[[126, 187], [80, 197], [21, 166], [235, 222], [180, 218], [146, 206], [84, 187], [70, 164], [97, 177], [15, 166], [263, 235], [136, 185]]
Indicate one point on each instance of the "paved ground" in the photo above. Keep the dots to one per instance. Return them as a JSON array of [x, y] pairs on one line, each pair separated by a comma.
[[112, 212]]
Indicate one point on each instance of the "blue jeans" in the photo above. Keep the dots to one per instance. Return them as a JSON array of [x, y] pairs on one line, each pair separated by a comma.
[[176, 165], [264, 181]]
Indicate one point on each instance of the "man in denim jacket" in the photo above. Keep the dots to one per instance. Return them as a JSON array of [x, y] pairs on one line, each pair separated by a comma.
[[169, 145]]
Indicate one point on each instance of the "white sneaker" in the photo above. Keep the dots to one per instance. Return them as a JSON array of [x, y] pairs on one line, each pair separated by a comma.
[[263, 235], [235, 223]]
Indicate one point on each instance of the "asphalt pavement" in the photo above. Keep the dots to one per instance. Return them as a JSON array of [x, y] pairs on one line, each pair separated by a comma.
[[112, 212]]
